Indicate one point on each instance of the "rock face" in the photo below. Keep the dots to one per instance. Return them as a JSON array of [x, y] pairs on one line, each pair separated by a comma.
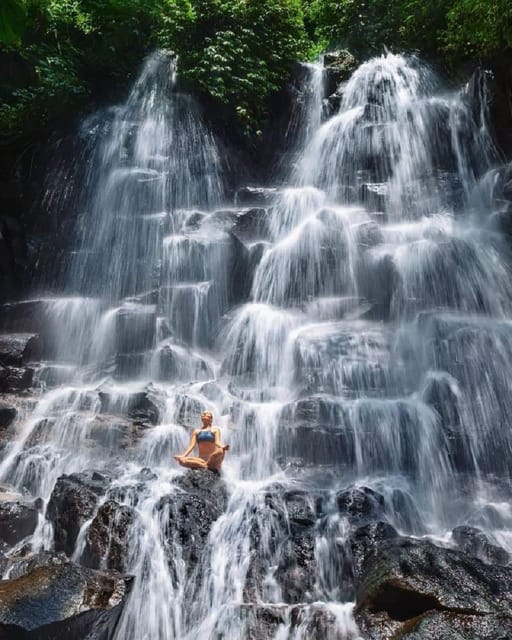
[[17, 521], [7, 414], [192, 510], [73, 501], [16, 351], [108, 537], [61, 599], [476, 543], [360, 503], [19, 348], [407, 579]]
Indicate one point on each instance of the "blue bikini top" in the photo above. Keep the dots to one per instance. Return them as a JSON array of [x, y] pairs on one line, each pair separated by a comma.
[[206, 436]]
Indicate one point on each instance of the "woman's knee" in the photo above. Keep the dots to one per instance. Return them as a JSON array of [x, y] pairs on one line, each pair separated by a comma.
[[215, 460], [191, 463]]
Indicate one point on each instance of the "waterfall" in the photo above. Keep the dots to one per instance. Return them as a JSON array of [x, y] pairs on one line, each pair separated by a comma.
[[351, 330]]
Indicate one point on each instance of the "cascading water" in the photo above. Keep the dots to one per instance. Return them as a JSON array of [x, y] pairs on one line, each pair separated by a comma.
[[357, 333]]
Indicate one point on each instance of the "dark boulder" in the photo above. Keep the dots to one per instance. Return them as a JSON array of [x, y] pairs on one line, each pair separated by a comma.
[[407, 578], [22, 316], [240, 270], [140, 406], [363, 543], [302, 508], [315, 431], [15, 379], [135, 328], [188, 410], [319, 621], [62, 600], [252, 224], [476, 543], [7, 414], [18, 519], [339, 66], [112, 432], [17, 349], [454, 626], [73, 501], [507, 190], [296, 571], [190, 512], [256, 196], [374, 196], [106, 543], [259, 621], [360, 503]]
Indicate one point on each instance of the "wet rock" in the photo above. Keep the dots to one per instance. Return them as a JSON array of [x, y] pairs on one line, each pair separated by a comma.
[[140, 406], [60, 599], [18, 519], [241, 271], [365, 543], [212, 391], [195, 219], [296, 571], [377, 277], [360, 503], [24, 315], [302, 508], [252, 224], [16, 349], [135, 328], [73, 501], [256, 196], [441, 394], [331, 104], [407, 578], [406, 515], [369, 234], [476, 543], [112, 432], [21, 564], [188, 411], [129, 365], [259, 622], [374, 196], [107, 539], [15, 379], [320, 621], [315, 430], [454, 626], [507, 190], [7, 414], [191, 511], [175, 363], [339, 66]]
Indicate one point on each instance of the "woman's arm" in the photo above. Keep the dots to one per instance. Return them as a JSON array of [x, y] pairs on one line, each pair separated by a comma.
[[216, 432], [192, 444]]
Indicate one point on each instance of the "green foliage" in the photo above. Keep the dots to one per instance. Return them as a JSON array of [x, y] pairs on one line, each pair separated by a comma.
[[58, 54], [238, 51], [458, 28], [479, 27], [70, 49], [12, 21]]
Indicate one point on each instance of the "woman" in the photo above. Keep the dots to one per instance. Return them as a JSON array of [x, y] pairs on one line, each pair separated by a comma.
[[207, 440]]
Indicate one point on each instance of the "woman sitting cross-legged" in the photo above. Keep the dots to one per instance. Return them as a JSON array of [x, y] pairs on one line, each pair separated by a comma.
[[211, 451]]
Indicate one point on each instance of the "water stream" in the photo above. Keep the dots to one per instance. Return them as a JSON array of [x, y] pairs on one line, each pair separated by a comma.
[[371, 344]]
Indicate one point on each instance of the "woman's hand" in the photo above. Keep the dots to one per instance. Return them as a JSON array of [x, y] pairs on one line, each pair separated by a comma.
[[225, 447], [178, 458]]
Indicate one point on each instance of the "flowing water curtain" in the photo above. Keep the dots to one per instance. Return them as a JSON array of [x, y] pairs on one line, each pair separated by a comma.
[[364, 357]]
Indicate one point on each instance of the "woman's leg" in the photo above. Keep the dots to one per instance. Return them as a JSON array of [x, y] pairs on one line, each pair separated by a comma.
[[192, 463], [215, 460]]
